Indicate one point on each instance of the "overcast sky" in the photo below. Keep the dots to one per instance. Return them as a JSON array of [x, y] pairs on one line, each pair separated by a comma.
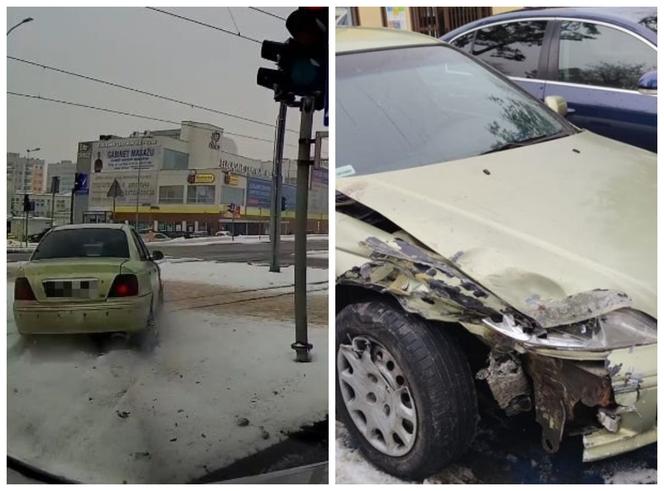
[[146, 50]]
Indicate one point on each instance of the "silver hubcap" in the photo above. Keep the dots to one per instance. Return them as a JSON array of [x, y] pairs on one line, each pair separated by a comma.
[[377, 396]]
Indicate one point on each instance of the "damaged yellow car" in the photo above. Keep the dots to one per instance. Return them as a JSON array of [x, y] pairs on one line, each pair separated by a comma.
[[484, 244]]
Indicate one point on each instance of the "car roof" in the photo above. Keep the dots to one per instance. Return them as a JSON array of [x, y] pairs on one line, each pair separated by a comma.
[[75, 226], [626, 17], [372, 38]]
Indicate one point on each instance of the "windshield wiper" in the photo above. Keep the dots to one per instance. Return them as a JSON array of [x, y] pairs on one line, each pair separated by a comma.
[[528, 141]]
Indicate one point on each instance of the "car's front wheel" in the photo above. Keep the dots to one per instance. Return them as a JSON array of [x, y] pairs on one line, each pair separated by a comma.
[[404, 390]]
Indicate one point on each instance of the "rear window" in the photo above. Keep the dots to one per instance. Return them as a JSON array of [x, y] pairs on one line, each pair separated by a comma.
[[87, 242]]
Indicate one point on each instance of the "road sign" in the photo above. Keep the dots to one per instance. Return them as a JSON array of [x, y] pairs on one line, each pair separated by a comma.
[[115, 191]]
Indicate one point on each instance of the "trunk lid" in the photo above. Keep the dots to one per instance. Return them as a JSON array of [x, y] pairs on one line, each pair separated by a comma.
[[72, 280]]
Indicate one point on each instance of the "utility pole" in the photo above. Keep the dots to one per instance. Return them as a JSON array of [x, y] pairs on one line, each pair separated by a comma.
[[275, 212], [138, 191], [26, 199], [301, 344], [55, 188]]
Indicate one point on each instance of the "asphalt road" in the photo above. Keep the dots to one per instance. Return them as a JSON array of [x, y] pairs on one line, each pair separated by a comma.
[[231, 252]]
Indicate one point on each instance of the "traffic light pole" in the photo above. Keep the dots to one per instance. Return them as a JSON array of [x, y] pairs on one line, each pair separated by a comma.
[[301, 344], [275, 211], [27, 212]]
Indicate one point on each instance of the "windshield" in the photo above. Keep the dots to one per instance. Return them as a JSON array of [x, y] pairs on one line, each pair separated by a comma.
[[408, 107], [86, 242]]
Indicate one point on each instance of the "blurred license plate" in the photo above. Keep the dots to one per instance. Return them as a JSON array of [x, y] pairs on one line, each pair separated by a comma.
[[83, 288]]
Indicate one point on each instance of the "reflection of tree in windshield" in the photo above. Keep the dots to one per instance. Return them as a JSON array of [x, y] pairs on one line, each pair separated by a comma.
[[571, 31], [519, 120]]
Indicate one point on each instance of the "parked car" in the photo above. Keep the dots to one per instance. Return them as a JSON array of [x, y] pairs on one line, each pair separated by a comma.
[[223, 233], [38, 236], [484, 245], [603, 61], [91, 278], [200, 233], [154, 237], [178, 234]]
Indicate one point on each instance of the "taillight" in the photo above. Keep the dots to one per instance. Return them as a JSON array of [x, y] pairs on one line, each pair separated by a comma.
[[22, 290], [125, 285]]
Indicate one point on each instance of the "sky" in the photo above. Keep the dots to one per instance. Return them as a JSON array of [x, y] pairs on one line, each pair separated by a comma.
[[147, 50]]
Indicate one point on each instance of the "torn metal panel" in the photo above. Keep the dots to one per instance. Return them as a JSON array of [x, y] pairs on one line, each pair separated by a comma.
[[558, 386], [426, 283], [576, 308], [508, 383]]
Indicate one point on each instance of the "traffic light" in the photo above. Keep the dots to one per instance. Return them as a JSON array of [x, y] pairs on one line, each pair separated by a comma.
[[283, 203], [26, 203], [302, 60]]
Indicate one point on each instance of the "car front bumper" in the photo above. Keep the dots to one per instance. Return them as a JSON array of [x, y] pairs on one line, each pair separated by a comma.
[[117, 315], [635, 391]]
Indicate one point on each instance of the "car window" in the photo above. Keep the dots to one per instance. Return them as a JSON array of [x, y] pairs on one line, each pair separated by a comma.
[[592, 54], [513, 48], [464, 42], [85, 242], [140, 245], [407, 107]]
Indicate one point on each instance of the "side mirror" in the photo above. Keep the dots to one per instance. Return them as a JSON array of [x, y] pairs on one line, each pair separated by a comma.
[[648, 83], [557, 104], [157, 255]]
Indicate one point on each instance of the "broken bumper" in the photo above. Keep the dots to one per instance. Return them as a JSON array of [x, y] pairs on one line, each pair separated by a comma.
[[635, 391]]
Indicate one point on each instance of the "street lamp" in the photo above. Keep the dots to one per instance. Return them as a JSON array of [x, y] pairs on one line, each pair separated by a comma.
[[25, 188], [24, 21]]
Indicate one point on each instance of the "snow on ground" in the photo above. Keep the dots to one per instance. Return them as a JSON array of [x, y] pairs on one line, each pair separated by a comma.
[[639, 475], [352, 468], [240, 276], [239, 239], [166, 416]]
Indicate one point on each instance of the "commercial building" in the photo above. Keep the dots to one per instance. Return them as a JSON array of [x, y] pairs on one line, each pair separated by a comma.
[[433, 21], [184, 179]]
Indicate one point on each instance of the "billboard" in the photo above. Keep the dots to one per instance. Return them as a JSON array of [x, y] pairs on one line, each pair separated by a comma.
[[129, 161], [259, 192]]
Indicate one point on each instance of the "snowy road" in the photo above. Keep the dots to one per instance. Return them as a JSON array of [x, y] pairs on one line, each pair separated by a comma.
[[218, 387], [510, 452]]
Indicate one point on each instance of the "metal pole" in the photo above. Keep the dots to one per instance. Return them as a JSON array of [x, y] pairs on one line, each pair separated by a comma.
[[138, 190], [275, 212], [26, 221], [52, 205], [301, 344], [71, 207]]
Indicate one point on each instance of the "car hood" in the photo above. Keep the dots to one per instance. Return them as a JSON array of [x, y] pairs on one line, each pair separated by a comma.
[[538, 222]]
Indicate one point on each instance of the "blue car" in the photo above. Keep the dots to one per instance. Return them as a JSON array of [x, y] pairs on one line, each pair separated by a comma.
[[602, 61]]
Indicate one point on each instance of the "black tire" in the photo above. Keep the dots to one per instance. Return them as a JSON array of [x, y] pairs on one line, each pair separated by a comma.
[[439, 378]]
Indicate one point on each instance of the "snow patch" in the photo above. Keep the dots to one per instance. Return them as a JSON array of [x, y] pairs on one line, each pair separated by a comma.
[[165, 416], [639, 475], [240, 276]]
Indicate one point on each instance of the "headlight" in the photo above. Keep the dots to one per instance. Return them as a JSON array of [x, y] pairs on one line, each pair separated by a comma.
[[618, 329]]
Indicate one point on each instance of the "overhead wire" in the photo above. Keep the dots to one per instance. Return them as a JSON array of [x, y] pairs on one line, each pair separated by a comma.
[[204, 24], [127, 113], [142, 92]]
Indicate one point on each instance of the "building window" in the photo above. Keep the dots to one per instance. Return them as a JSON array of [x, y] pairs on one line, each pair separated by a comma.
[[174, 160], [200, 194], [232, 195], [171, 194]]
